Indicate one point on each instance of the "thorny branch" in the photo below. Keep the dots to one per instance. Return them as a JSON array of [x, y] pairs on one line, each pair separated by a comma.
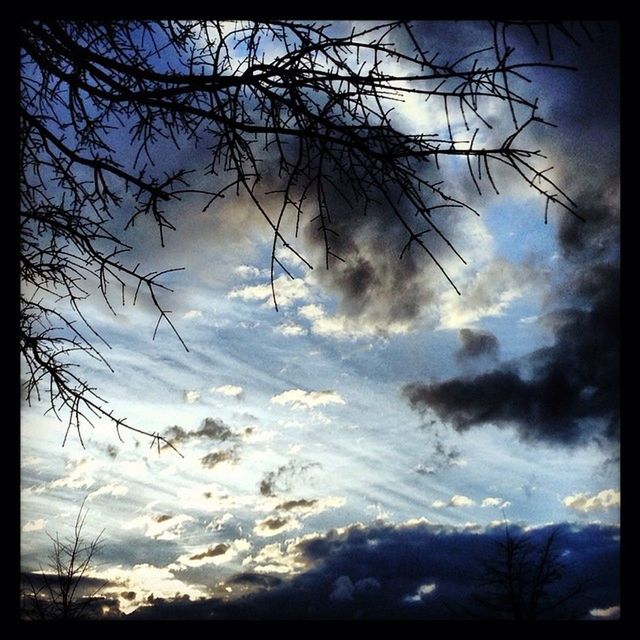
[[299, 110]]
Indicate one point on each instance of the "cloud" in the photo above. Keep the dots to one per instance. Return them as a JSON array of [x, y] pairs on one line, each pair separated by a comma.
[[412, 570], [281, 479], [299, 399], [610, 613], [476, 344], [191, 397], [192, 314], [34, 525], [111, 489], [424, 590], [231, 390], [460, 501], [287, 290], [215, 458], [160, 526], [454, 501], [274, 525], [210, 429], [247, 271], [587, 503], [568, 393], [343, 327], [498, 503], [489, 293], [290, 329]]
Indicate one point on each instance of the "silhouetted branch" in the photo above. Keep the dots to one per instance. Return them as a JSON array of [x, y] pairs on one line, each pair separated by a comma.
[[298, 110]]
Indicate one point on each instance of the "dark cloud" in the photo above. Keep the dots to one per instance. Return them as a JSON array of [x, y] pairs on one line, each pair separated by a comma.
[[378, 572], [281, 479], [476, 344], [128, 595], [162, 517], [255, 579], [296, 504], [569, 392], [274, 523], [212, 552], [216, 457], [210, 429]]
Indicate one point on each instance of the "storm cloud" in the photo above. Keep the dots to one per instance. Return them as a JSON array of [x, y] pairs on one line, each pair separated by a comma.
[[569, 392], [476, 344], [409, 571]]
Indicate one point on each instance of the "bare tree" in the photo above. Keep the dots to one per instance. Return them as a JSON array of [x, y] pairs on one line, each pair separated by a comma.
[[527, 580], [60, 593], [294, 115]]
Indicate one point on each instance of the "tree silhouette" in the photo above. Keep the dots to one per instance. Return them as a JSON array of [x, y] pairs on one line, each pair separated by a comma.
[[526, 580], [58, 594], [295, 116]]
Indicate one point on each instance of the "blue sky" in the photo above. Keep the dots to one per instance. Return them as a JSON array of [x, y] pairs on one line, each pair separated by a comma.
[[304, 410]]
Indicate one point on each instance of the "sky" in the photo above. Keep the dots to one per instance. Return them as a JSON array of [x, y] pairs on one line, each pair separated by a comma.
[[354, 453]]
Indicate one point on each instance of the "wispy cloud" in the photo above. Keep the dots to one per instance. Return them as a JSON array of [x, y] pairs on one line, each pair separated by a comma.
[[112, 489], [287, 291]]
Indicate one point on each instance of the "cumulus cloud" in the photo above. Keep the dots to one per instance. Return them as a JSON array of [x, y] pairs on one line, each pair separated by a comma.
[[247, 271], [587, 503], [34, 525], [454, 501], [476, 344], [299, 399], [231, 390], [191, 397], [498, 503], [288, 291]]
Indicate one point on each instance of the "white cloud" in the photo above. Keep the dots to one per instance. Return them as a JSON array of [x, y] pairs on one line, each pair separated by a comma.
[[31, 461], [217, 523], [246, 271], [487, 294], [461, 501], [34, 525], [231, 390], [299, 399], [277, 558], [585, 502], [610, 613], [287, 291], [455, 501], [160, 526], [192, 314], [423, 590], [144, 580], [111, 489], [290, 329], [190, 397], [79, 475], [499, 503], [345, 328]]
